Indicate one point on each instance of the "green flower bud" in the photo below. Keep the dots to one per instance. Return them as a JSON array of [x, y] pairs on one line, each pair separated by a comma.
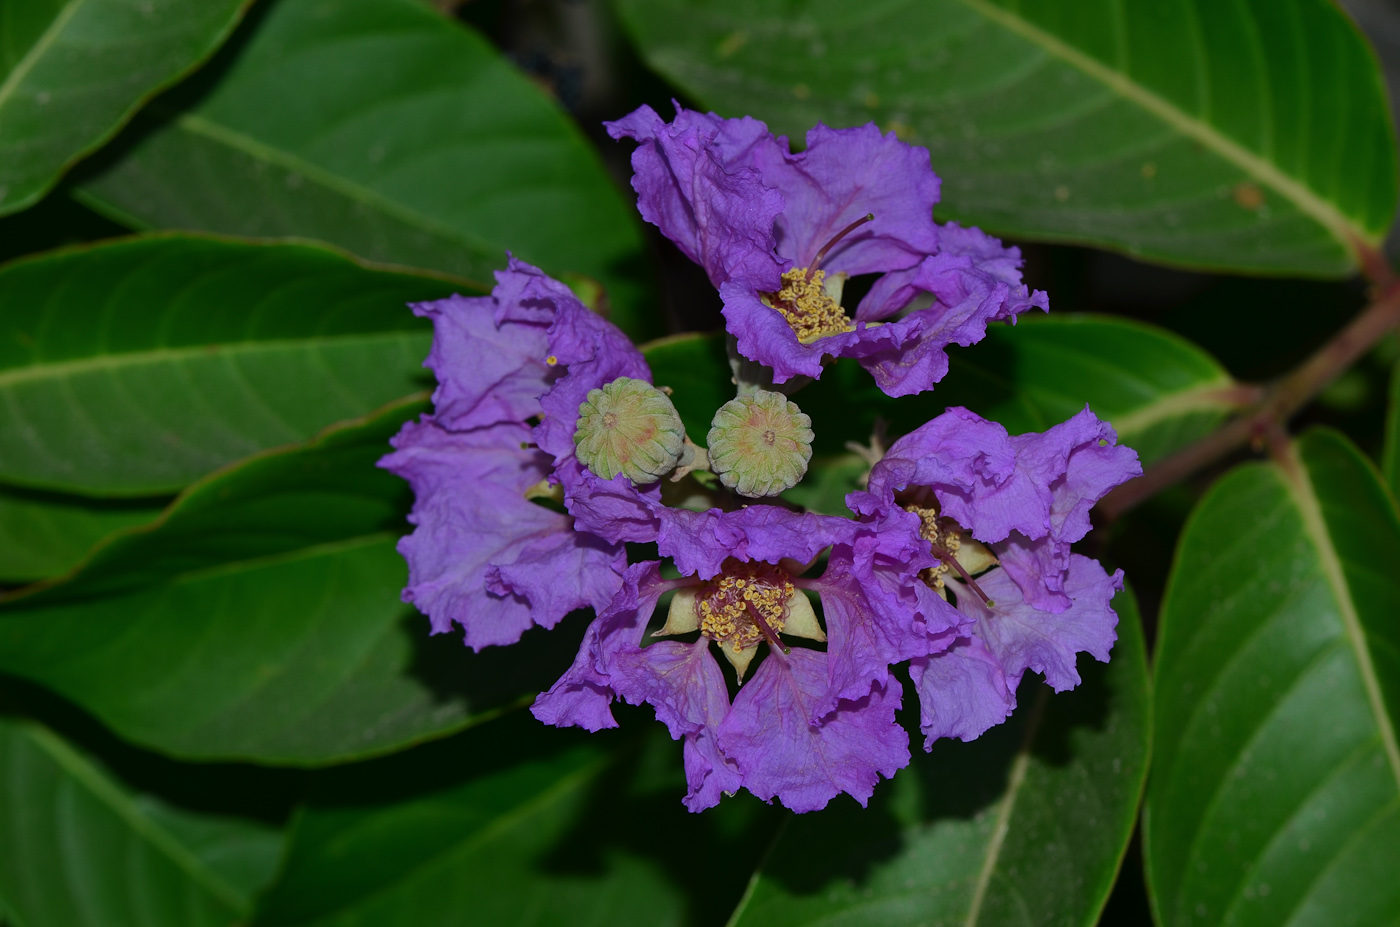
[[629, 427], [760, 444]]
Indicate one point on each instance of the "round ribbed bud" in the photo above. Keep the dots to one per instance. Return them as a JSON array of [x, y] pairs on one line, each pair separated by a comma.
[[760, 444], [629, 427]]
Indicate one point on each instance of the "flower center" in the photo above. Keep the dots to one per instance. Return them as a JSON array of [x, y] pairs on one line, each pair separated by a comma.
[[746, 604], [807, 306], [945, 538], [942, 534]]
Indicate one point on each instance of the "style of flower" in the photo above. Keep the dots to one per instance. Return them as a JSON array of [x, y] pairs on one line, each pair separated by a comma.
[[779, 233], [808, 724], [1000, 513], [484, 554]]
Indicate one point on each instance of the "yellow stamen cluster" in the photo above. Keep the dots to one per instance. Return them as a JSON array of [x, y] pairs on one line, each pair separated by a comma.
[[808, 307], [941, 532], [729, 602]]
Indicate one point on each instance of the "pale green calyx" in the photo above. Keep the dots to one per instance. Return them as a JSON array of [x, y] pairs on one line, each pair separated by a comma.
[[629, 427], [760, 444]]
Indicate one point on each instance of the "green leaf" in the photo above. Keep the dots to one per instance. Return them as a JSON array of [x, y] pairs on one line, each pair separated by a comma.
[[82, 848], [72, 72], [1390, 456], [1027, 824], [1275, 790], [135, 367], [44, 534], [526, 831], [392, 131], [1250, 136], [260, 618]]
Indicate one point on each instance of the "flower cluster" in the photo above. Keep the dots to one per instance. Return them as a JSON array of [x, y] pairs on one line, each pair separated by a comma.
[[549, 443]]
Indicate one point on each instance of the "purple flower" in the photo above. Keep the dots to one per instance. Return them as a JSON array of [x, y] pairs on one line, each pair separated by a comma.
[[1000, 513], [779, 233], [482, 553], [807, 725]]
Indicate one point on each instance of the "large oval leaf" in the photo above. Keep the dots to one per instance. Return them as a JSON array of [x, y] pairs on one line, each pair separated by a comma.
[[390, 130], [44, 534], [138, 366], [260, 618], [80, 848], [1026, 825], [1251, 135], [1275, 791], [73, 71], [516, 824]]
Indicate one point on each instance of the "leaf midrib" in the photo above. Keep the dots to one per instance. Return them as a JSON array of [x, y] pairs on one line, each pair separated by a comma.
[[124, 808], [1299, 483], [200, 125], [37, 51], [1258, 168], [1014, 780], [213, 351]]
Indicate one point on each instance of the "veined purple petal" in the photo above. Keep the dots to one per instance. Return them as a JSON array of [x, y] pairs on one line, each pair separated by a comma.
[[485, 374], [962, 692], [1022, 637], [696, 182], [878, 612], [700, 542], [782, 755], [685, 686], [582, 696], [476, 532], [845, 174]]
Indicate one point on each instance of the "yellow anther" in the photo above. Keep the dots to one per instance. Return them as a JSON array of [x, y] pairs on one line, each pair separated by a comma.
[[551, 360], [811, 311], [728, 604]]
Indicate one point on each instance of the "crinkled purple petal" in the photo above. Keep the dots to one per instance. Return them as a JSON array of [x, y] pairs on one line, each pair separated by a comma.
[[696, 182], [843, 175], [975, 281], [474, 526], [1022, 637], [1079, 470], [1080, 461], [685, 686], [966, 460], [485, 374], [962, 692], [700, 542], [782, 755], [582, 696], [878, 612], [613, 509]]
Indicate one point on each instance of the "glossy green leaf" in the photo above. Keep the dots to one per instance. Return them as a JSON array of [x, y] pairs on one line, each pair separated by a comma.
[[388, 129], [260, 619], [135, 367], [1390, 455], [80, 848], [1249, 135], [516, 824], [1026, 825], [1275, 788], [73, 71], [44, 534]]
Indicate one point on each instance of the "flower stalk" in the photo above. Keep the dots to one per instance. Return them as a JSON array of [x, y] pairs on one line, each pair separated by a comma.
[[1275, 404]]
